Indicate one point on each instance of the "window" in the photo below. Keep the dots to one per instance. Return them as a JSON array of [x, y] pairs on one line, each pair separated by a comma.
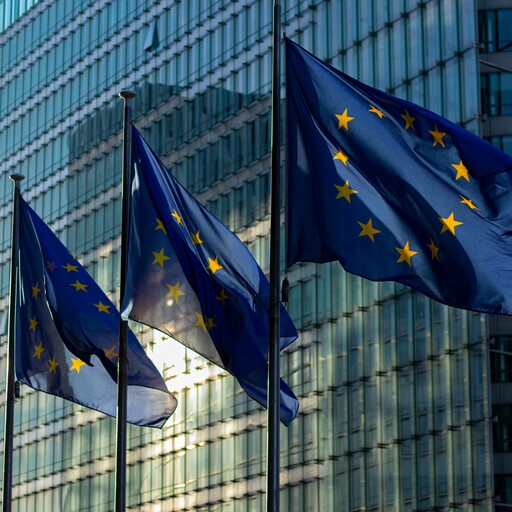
[[502, 428], [501, 359], [496, 93], [503, 489], [494, 28], [504, 142]]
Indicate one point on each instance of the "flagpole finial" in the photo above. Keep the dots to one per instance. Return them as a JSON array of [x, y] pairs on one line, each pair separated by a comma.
[[17, 177], [127, 94]]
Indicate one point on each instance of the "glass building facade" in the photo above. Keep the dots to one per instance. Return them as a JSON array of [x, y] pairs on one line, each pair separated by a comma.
[[495, 44], [403, 405]]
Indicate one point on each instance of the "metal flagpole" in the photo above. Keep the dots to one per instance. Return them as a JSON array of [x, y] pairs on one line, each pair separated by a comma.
[[273, 465], [120, 493], [10, 392]]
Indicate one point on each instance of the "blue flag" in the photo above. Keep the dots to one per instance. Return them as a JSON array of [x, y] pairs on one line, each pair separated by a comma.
[[192, 278], [393, 191], [67, 333]]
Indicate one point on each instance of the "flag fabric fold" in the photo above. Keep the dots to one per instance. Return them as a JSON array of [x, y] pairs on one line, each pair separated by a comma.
[[394, 191], [67, 333], [190, 277]]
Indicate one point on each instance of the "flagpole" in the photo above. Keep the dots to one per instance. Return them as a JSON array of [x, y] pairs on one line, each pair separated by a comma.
[[273, 465], [10, 393], [120, 492]]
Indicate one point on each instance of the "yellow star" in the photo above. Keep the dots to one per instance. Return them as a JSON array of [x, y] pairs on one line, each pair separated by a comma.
[[176, 215], [111, 352], [175, 292], [33, 324], [210, 322], [449, 224], [79, 286], [38, 350], [53, 365], [206, 326], [405, 254], [35, 291], [469, 203], [160, 225], [200, 322], [196, 238], [160, 257], [214, 265], [433, 250], [344, 119], [223, 297], [102, 308], [368, 230], [462, 172], [51, 266], [375, 110], [408, 121], [77, 365], [70, 268], [340, 156], [438, 136], [345, 191]]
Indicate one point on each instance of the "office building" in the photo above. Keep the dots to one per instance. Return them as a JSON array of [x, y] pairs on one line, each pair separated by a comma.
[[404, 402], [495, 44]]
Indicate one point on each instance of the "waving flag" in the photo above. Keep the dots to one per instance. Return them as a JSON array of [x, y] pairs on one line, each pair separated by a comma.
[[192, 278], [67, 333], [393, 191]]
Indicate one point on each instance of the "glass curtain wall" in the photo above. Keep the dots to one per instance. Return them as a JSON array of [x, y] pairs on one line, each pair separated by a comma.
[[393, 387]]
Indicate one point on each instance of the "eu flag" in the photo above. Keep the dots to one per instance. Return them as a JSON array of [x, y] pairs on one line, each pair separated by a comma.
[[67, 333], [393, 191], [192, 278]]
